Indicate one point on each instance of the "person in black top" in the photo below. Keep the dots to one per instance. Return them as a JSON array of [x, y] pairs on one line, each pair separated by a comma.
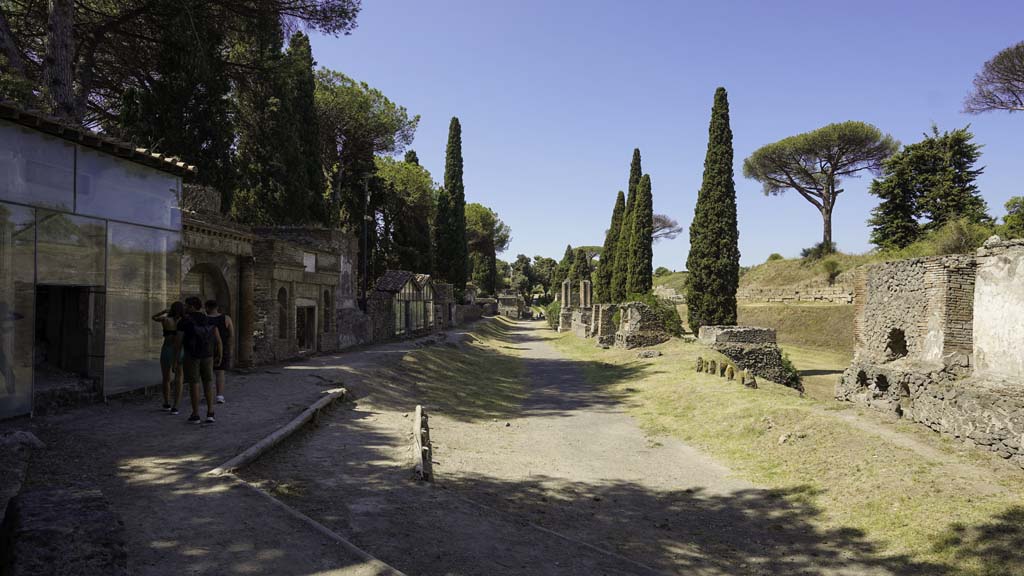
[[226, 329], [200, 342], [169, 365]]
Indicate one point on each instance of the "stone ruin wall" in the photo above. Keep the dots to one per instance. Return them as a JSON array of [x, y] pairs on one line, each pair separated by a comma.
[[604, 327], [843, 294], [752, 348], [961, 370], [639, 327], [582, 318]]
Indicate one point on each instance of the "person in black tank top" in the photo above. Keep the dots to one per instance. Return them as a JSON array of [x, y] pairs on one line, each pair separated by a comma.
[[227, 332]]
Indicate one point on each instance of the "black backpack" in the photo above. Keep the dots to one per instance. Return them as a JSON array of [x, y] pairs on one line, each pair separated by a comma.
[[201, 344]]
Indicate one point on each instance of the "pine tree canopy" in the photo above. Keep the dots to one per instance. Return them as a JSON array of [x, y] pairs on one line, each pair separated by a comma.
[[714, 260]]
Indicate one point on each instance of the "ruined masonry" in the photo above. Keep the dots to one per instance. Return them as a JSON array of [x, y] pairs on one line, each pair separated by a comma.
[[751, 348], [939, 341]]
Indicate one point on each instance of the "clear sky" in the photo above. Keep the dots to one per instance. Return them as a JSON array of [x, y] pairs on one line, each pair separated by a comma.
[[553, 96]]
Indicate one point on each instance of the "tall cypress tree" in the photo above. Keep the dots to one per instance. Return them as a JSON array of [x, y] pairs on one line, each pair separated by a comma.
[[640, 278], [714, 260], [580, 269], [623, 254], [606, 265], [562, 269], [450, 224]]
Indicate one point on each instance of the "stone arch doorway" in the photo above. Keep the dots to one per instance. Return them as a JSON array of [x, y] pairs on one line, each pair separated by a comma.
[[207, 282]]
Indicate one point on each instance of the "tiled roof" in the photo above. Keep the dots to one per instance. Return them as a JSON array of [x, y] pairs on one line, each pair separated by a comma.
[[55, 126], [393, 280], [422, 279]]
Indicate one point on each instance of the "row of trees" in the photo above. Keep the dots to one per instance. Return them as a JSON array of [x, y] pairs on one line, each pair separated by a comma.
[[232, 87], [625, 266]]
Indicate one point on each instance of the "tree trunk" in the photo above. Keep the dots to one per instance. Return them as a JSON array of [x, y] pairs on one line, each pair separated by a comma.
[[57, 65], [9, 47], [826, 238]]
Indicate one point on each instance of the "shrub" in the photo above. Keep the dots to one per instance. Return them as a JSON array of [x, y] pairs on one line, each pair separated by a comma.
[[661, 271], [552, 312], [831, 268], [954, 237], [819, 251], [664, 309], [774, 256], [793, 380]]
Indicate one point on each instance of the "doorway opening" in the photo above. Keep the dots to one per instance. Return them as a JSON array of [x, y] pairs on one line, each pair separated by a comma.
[[67, 355], [305, 328]]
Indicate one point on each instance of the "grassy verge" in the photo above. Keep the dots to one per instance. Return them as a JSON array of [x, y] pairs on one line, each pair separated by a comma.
[[823, 326], [960, 510], [479, 378]]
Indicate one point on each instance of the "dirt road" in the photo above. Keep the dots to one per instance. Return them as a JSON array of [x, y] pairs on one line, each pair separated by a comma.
[[569, 485]]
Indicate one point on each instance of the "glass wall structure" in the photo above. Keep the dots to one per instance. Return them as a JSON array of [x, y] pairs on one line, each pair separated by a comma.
[[71, 216]]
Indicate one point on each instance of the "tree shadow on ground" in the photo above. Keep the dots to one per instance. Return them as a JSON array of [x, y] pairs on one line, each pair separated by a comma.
[[996, 545], [342, 475]]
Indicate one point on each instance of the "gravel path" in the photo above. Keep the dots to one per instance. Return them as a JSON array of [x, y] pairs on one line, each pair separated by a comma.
[[570, 485]]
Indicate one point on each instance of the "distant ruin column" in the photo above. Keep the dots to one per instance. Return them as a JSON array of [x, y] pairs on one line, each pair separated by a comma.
[[585, 294], [246, 311]]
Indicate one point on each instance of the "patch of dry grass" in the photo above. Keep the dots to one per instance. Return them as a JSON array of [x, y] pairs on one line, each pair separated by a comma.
[[943, 505], [807, 325]]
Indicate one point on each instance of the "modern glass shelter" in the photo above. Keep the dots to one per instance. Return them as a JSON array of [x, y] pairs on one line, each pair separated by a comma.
[[90, 249]]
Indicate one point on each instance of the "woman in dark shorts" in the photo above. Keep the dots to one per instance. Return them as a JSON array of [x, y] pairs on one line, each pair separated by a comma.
[[168, 320], [227, 331]]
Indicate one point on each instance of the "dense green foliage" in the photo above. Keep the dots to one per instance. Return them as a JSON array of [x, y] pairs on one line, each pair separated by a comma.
[[1013, 222], [580, 269], [544, 270], [639, 272], [183, 108], [405, 216], [1000, 84], [450, 223], [606, 265], [552, 312], [661, 271], [814, 163], [562, 270], [621, 259], [280, 175], [486, 236], [774, 256], [714, 259], [818, 251], [926, 185]]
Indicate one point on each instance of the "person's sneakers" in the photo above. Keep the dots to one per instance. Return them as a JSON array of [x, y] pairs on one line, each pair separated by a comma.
[[220, 399], [210, 419], [194, 419], [166, 408], [174, 411]]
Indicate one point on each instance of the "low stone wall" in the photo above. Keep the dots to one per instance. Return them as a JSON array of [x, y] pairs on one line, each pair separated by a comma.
[[603, 325], [751, 348], [639, 327], [565, 319], [842, 294], [981, 412], [581, 320], [467, 313]]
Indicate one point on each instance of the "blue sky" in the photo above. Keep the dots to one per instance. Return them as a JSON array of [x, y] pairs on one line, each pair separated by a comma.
[[554, 95]]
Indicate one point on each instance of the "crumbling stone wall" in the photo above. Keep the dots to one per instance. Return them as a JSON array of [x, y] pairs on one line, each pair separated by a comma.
[[958, 372], [604, 326], [639, 327], [752, 348], [581, 320]]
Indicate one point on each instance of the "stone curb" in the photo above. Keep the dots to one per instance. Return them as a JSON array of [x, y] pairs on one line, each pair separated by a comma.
[[275, 437]]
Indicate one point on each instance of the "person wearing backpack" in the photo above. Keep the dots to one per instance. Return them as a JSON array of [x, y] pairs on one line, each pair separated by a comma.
[[200, 341]]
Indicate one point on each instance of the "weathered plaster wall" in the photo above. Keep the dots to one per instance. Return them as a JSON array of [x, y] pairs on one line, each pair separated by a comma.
[[999, 311]]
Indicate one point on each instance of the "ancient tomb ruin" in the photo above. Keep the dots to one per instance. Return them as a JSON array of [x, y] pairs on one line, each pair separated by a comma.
[[752, 349], [940, 341], [637, 326]]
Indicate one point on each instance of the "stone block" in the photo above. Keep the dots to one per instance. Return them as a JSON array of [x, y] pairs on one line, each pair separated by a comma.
[[639, 327]]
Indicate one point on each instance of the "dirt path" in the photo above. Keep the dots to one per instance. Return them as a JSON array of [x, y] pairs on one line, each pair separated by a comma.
[[569, 485]]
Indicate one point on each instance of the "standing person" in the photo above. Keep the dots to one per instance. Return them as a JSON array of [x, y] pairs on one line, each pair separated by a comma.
[[199, 340], [169, 364], [226, 329]]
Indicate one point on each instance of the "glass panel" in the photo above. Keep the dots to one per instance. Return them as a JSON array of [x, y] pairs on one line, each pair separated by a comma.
[[71, 249], [109, 187], [144, 277], [36, 168], [17, 308]]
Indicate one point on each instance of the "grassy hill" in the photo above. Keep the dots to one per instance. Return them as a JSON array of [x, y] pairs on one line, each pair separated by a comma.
[[673, 280]]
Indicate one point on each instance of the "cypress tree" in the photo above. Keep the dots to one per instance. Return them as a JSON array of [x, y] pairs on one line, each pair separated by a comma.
[[606, 265], [620, 272], [714, 259], [450, 224], [640, 277], [562, 269], [580, 269]]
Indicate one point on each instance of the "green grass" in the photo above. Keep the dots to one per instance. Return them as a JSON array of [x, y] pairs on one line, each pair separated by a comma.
[[675, 281], [793, 272], [808, 325], [961, 510], [479, 378]]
